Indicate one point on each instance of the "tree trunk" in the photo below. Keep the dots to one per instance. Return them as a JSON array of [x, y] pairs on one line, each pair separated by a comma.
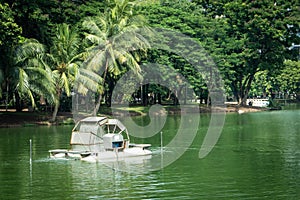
[[108, 95], [235, 92], [6, 101], [175, 99], [54, 114], [97, 106], [246, 89], [145, 95], [185, 94], [159, 97], [241, 89], [57, 104], [18, 102], [207, 101]]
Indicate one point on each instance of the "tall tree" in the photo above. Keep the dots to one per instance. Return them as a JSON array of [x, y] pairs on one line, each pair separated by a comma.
[[106, 33], [187, 18], [59, 67], [32, 77], [64, 59], [39, 19], [257, 34], [289, 78], [10, 36], [284, 83]]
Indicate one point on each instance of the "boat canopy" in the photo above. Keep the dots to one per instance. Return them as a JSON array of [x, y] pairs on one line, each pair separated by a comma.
[[117, 125], [90, 131], [89, 123]]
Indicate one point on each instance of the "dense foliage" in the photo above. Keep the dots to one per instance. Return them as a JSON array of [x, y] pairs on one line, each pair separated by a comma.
[[248, 40]]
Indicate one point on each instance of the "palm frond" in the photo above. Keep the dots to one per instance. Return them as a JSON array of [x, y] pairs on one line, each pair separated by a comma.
[[119, 41], [87, 80], [65, 84], [23, 86], [94, 39], [31, 48], [65, 44], [96, 60], [97, 30]]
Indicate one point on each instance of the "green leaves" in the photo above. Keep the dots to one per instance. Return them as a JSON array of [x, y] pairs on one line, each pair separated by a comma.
[[10, 30], [110, 38], [32, 75], [289, 77], [246, 39]]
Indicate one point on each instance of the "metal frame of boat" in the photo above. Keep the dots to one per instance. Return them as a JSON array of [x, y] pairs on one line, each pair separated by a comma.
[[100, 139]]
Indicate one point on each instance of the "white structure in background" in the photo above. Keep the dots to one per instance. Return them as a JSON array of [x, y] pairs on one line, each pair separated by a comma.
[[100, 139], [258, 102]]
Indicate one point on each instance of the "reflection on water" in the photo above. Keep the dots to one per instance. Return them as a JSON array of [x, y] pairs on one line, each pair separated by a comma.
[[256, 157]]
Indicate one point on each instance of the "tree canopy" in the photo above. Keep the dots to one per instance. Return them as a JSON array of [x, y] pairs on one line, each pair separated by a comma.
[[248, 40]]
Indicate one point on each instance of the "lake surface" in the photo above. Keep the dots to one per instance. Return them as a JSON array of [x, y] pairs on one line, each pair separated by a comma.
[[257, 157]]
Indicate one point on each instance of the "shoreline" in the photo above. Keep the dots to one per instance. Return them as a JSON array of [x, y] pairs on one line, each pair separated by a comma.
[[11, 118]]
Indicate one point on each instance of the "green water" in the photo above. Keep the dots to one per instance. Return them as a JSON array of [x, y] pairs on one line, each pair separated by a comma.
[[256, 157]]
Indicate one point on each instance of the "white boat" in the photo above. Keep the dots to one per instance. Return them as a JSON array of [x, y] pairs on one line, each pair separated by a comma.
[[96, 139]]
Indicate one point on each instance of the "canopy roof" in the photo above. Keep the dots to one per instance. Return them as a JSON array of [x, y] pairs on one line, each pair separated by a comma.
[[117, 123], [93, 119], [90, 131], [100, 126]]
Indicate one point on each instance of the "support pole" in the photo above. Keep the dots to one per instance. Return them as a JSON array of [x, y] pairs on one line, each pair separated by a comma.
[[161, 151], [30, 158], [161, 142]]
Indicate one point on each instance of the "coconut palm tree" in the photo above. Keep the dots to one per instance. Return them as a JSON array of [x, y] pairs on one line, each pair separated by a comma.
[[52, 74], [31, 74], [26, 76], [113, 41], [65, 59]]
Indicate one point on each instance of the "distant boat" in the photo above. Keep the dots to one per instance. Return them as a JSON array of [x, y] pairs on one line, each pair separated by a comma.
[[96, 139]]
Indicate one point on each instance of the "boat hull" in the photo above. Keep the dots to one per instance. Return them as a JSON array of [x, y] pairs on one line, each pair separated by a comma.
[[112, 155]]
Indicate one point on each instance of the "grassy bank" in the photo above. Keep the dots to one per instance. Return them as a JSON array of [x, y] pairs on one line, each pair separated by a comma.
[[25, 118]]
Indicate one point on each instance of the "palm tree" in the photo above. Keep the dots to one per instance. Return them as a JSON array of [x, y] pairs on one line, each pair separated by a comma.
[[106, 34], [52, 74], [25, 75], [32, 75], [64, 59]]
